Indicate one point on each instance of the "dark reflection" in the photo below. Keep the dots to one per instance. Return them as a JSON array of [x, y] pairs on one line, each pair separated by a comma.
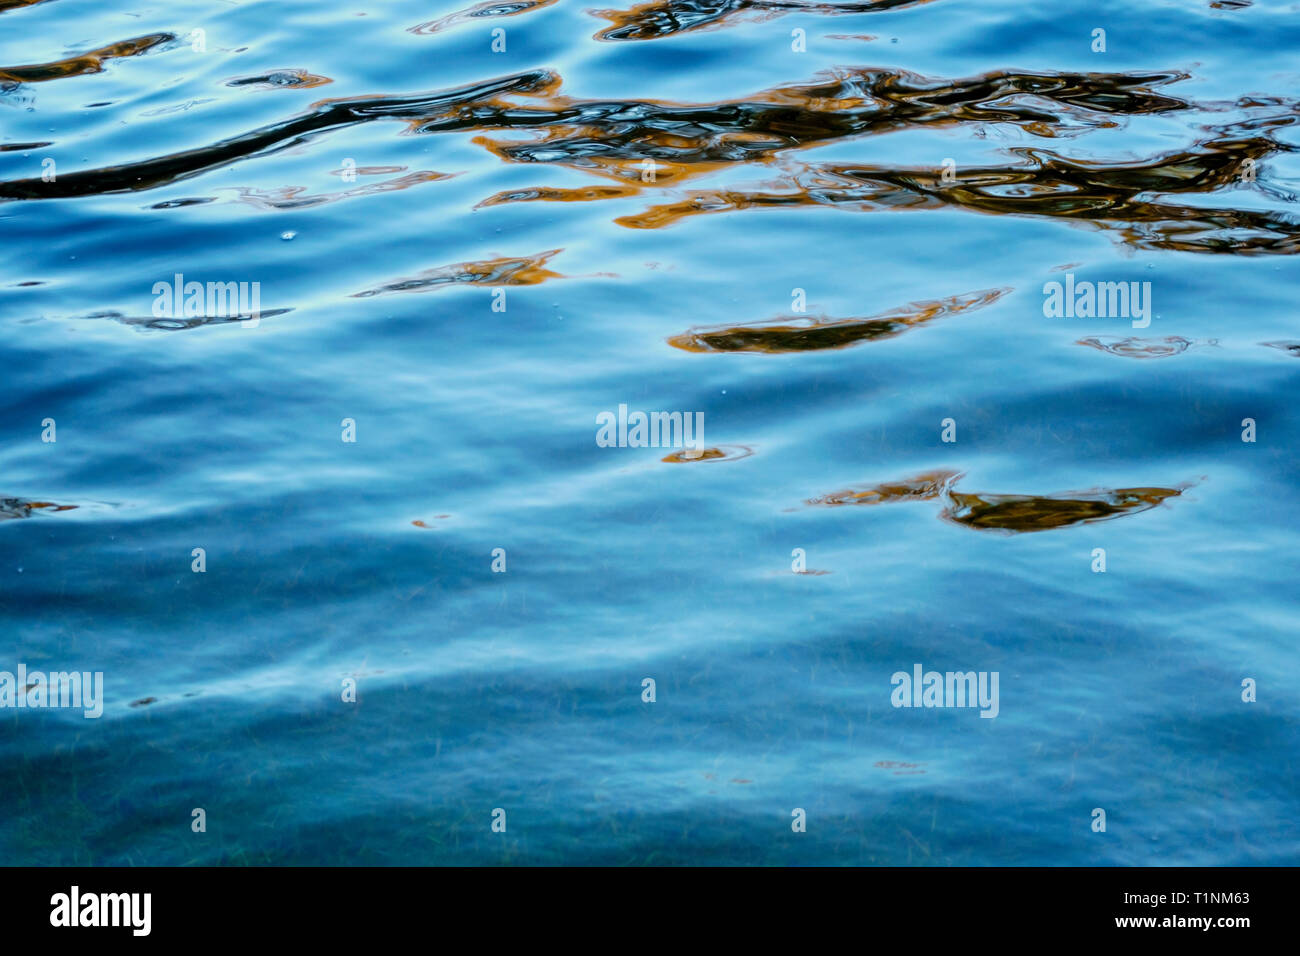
[[181, 323], [22, 147], [329, 114], [82, 63], [490, 8], [1292, 348], [14, 4], [660, 18], [1011, 514], [281, 79], [523, 270], [179, 203], [809, 334], [1138, 348], [22, 508]]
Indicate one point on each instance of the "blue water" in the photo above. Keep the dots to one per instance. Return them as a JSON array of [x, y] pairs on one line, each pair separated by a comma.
[[387, 179]]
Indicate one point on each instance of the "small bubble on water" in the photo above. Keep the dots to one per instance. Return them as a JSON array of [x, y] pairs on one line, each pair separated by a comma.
[[288, 236]]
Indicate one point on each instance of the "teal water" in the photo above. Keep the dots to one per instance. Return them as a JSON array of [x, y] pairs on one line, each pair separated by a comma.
[[470, 255]]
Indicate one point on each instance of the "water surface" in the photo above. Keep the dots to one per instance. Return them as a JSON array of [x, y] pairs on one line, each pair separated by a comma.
[[827, 227]]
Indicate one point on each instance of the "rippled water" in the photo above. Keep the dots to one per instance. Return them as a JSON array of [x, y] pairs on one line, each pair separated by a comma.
[[825, 231]]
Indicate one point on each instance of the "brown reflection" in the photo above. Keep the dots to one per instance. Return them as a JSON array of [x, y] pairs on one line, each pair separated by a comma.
[[1019, 513], [22, 508], [722, 453], [524, 270], [92, 62], [1138, 348], [490, 8], [623, 139], [808, 334], [1108, 196], [616, 138], [660, 18], [922, 487], [281, 79], [1008, 513], [295, 197]]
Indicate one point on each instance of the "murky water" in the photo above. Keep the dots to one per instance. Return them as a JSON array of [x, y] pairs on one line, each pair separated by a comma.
[[336, 338]]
